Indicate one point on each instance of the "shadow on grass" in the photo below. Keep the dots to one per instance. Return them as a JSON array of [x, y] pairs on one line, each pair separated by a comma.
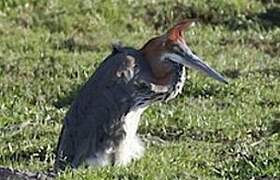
[[266, 72], [268, 103], [232, 73], [266, 20], [194, 90], [236, 73], [39, 154], [126, 175], [274, 127], [176, 134], [270, 18], [254, 135]]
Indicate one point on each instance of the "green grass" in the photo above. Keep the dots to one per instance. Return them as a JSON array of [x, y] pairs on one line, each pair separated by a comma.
[[48, 49]]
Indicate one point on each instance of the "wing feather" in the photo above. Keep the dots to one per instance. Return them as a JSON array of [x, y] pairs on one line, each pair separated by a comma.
[[95, 117]]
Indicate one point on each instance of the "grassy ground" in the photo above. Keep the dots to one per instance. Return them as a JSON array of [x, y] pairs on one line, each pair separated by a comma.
[[48, 49]]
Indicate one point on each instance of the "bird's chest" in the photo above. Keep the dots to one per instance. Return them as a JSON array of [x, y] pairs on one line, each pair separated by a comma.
[[131, 121]]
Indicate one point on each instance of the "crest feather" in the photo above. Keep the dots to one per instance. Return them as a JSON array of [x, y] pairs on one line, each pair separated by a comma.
[[176, 31]]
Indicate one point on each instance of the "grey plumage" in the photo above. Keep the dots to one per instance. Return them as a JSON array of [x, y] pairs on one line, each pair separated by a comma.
[[94, 122]]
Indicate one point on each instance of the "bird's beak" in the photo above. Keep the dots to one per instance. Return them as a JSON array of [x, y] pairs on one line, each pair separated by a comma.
[[193, 61], [190, 60]]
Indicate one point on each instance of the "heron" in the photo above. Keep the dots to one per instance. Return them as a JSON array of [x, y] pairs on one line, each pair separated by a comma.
[[100, 128]]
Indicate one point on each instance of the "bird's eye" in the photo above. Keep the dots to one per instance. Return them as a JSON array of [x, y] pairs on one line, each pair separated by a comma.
[[177, 48]]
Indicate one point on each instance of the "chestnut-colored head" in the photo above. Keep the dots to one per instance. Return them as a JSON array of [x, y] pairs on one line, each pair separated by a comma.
[[171, 47]]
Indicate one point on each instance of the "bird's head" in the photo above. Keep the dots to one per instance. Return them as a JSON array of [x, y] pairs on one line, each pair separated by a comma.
[[171, 47]]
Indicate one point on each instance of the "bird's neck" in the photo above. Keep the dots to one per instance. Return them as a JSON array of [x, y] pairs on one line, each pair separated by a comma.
[[161, 71]]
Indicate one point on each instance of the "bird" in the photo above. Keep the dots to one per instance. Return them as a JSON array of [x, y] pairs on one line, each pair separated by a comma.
[[100, 127]]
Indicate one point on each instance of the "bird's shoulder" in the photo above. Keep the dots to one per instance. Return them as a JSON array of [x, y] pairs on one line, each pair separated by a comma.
[[123, 63]]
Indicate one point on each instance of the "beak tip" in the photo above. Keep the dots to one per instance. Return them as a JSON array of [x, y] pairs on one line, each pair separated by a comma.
[[225, 81]]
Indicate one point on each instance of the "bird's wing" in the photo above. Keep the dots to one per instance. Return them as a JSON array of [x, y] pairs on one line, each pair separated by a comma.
[[95, 117]]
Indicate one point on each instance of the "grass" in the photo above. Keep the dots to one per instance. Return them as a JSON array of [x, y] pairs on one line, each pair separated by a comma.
[[48, 49]]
